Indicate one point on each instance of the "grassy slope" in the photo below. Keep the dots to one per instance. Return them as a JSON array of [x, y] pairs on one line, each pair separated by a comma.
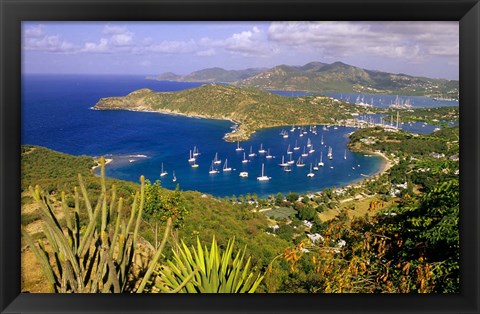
[[252, 108]]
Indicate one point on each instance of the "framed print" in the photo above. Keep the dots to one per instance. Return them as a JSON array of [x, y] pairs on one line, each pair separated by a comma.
[[239, 156]]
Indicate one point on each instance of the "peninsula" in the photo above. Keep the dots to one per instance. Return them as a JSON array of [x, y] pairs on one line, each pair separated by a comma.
[[251, 109]]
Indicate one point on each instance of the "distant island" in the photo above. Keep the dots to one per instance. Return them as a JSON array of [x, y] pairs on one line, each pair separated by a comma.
[[251, 109], [323, 77]]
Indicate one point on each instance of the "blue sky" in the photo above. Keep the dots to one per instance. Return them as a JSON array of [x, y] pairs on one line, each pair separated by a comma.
[[428, 49]]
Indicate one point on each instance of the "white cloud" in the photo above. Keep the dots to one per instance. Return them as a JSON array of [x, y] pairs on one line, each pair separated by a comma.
[[249, 43], [35, 31], [114, 30], [172, 47], [125, 39], [49, 43], [207, 53], [409, 40], [101, 47]]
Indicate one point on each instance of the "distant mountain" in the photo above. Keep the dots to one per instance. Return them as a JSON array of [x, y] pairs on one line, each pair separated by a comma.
[[323, 77], [211, 75]]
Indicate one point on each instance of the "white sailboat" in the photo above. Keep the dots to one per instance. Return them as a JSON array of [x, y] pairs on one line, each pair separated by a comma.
[[287, 169], [174, 179], [321, 141], [252, 154], [268, 154], [245, 160], [305, 154], [283, 164], [212, 169], [291, 161], [191, 159], [238, 149], [288, 150], [261, 151], [226, 168], [330, 154], [195, 151], [321, 164], [163, 172], [296, 146], [309, 143], [345, 155], [243, 174], [216, 160], [263, 177], [194, 165], [312, 150], [300, 162], [310, 174]]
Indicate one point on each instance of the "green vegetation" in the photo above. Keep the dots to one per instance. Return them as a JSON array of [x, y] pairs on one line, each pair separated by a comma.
[[436, 116], [322, 77], [401, 236], [251, 108], [97, 256], [213, 272]]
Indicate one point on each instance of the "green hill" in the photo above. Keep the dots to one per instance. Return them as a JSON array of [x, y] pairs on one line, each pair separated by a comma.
[[322, 77], [252, 109]]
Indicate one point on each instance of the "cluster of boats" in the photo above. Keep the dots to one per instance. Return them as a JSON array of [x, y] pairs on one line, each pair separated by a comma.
[[308, 151]]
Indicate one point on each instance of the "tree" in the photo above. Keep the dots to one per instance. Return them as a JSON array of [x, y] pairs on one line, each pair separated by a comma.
[[279, 199]]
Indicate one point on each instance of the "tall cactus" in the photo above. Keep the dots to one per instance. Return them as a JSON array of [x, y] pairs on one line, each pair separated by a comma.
[[99, 256]]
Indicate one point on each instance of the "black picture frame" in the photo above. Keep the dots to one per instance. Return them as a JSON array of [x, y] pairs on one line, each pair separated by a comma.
[[13, 12]]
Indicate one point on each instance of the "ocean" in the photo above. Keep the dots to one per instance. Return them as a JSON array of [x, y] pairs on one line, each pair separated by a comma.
[[57, 114]]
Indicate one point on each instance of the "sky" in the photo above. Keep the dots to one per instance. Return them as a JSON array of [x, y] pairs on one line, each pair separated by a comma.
[[422, 48]]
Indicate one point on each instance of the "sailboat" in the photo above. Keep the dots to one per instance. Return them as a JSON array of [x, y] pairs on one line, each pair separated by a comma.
[[292, 129], [287, 169], [174, 179], [321, 164], [288, 150], [212, 169], [345, 155], [291, 161], [310, 174], [252, 154], [194, 165], [191, 159], [195, 151], [321, 141], [216, 160], [268, 154], [238, 149], [243, 174], [225, 167], [263, 177], [261, 151], [309, 143], [245, 160], [304, 152], [162, 172], [296, 146], [300, 162], [330, 154], [283, 164], [311, 151]]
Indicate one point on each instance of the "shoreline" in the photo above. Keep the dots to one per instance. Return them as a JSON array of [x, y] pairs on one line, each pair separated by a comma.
[[107, 161]]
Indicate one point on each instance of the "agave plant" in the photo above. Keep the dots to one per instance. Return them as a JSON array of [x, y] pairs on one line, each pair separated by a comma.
[[214, 271], [99, 256]]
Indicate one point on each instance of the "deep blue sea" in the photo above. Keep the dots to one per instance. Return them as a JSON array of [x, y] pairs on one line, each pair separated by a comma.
[[56, 113]]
